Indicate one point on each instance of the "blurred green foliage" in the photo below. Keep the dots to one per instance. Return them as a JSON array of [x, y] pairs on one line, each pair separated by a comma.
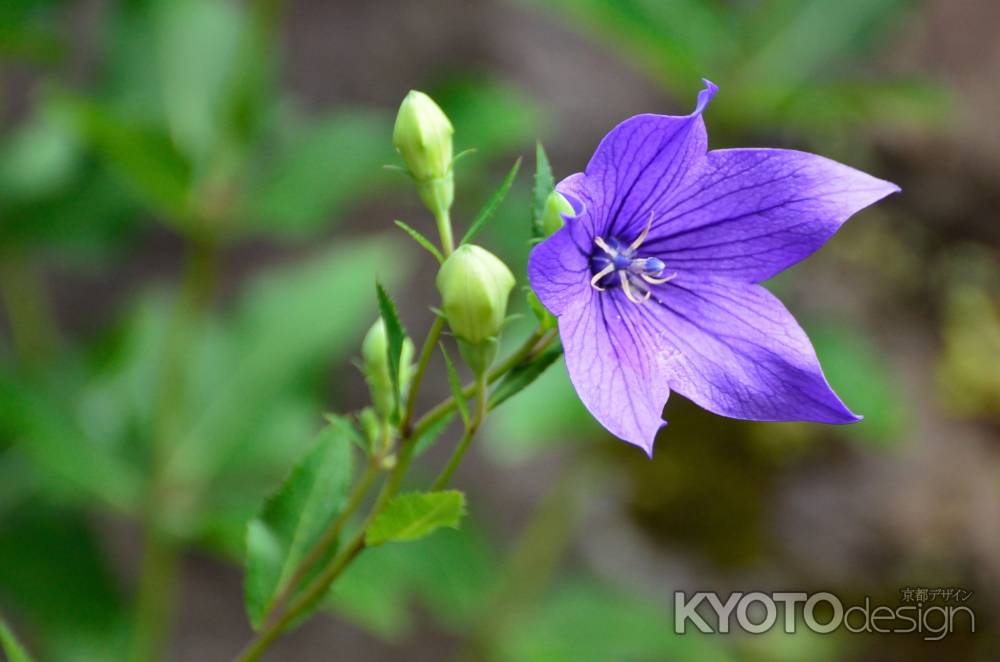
[[782, 64], [183, 127], [967, 378]]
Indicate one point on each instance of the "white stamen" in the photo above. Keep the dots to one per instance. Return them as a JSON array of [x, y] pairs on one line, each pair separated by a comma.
[[658, 281], [599, 275], [642, 237], [604, 246], [627, 288]]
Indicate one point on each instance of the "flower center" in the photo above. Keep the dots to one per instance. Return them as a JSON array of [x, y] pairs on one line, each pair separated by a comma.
[[614, 262]]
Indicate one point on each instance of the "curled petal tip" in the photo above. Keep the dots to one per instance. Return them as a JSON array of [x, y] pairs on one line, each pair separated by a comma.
[[647, 444], [705, 96], [579, 207]]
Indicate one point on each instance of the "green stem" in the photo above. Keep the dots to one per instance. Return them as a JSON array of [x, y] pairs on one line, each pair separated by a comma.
[[156, 596], [470, 431], [426, 352], [277, 621], [326, 541], [320, 585], [154, 602], [443, 218], [536, 343]]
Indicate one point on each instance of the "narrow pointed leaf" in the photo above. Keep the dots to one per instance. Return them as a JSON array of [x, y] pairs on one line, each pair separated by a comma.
[[461, 155], [415, 515], [522, 376], [486, 213], [346, 427], [396, 333], [11, 647], [544, 185], [422, 240], [294, 519]]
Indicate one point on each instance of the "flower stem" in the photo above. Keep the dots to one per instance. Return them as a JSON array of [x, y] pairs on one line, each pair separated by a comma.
[[470, 430], [276, 621], [160, 555], [426, 352], [326, 541], [156, 596], [443, 218], [536, 342], [320, 585]]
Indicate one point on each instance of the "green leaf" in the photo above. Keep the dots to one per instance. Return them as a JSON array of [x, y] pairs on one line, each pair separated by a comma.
[[197, 43], [41, 155], [347, 428], [676, 41], [290, 324], [494, 117], [143, 157], [546, 320], [456, 387], [451, 574], [415, 515], [84, 218], [55, 574], [491, 205], [523, 375], [11, 646], [324, 166], [461, 155], [820, 34], [422, 240], [396, 334], [293, 520], [46, 434], [544, 185]]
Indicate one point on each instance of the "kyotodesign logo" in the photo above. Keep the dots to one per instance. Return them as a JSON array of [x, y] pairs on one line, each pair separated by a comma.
[[757, 612]]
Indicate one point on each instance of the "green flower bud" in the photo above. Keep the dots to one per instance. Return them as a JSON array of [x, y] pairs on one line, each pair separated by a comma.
[[474, 286], [555, 207], [371, 426], [422, 136], [375, 365]]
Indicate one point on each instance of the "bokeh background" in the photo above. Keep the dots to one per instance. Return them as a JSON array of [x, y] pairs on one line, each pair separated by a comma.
[[192, 192]]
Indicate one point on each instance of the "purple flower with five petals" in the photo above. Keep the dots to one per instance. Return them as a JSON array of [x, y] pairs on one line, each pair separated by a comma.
[[655, 279]]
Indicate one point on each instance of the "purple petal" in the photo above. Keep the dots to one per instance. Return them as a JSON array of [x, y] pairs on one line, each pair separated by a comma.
[[617, 369], [738, 352], [751, 213], [637, 168], [559, 271]]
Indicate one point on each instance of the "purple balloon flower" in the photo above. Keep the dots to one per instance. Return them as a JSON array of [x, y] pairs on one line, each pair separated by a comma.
[[655, 278]]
